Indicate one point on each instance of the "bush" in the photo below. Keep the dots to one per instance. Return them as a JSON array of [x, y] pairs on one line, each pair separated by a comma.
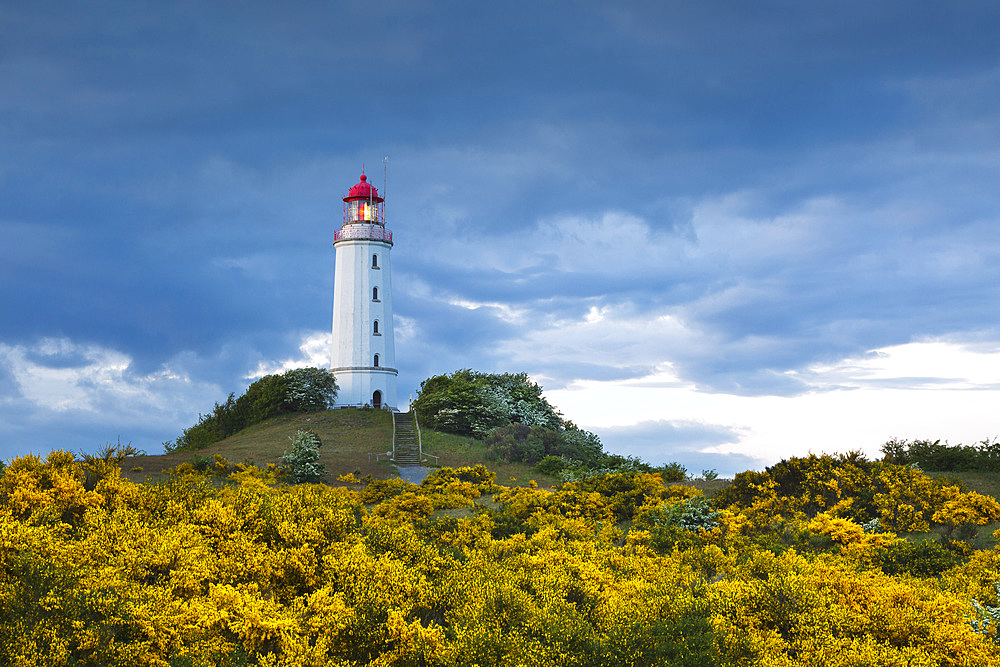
[[302, 464], [552, 465], [937, 457], [469, 402], [678, 523], [673, 472], [310, 389], [519, 442], [924, 558]]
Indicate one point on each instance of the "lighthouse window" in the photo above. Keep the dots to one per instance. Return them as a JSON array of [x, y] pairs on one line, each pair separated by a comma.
[[360, 211], [376, 361], [374, 261], [374, 294], [375, 328]]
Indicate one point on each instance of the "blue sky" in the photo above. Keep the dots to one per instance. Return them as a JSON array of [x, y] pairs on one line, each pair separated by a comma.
[[720, 233]]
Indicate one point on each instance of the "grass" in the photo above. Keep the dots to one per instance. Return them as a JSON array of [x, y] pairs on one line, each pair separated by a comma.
[[458, 451], [986, 483], [348, 437]]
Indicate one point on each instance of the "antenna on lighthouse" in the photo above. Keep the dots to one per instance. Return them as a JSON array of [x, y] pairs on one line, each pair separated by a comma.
[[385, 176]]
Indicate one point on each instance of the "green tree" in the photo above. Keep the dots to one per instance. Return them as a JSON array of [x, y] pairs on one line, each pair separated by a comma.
[[301, 464], [310, 389], [469, 402]]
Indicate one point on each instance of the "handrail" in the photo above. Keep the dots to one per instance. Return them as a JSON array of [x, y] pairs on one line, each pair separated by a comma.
[[393, 435], [375, 232], [420, 444], [416, 427]]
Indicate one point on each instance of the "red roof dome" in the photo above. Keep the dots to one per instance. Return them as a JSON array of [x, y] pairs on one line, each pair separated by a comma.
[[363, 190]]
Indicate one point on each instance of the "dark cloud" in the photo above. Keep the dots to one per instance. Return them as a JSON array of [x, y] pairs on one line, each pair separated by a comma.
[[740, 190]]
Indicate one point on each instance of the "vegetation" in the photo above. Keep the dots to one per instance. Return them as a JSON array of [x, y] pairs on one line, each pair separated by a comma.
[[301, 464], [832, 560], [469, 402], [621, 568], [297, 390], [934, 456], [518, 425]]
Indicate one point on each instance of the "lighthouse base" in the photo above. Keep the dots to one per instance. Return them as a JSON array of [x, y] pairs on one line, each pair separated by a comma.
[[360, 387]]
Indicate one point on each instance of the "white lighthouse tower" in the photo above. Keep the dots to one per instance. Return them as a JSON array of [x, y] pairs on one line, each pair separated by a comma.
[[363, 356]]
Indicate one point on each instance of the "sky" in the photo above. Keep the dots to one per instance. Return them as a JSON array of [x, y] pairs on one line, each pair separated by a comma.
[[718, 233]]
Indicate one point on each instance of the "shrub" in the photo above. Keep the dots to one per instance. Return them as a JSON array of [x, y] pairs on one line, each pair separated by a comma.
[[894, 451], [678, 523], [552, 465], [923, 558], [937, 457], [302, 464], [673, 472], [469, 402], [377, 490], [519, 442], [310, 389]]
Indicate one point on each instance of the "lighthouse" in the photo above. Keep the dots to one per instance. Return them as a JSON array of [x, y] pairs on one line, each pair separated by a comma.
[[362, 354]]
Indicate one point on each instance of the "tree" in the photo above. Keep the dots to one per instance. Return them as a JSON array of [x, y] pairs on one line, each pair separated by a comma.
[[302, 464], [310, 389], [469, 402]]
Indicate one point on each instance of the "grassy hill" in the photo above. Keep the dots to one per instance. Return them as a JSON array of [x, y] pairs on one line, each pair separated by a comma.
[[349, 436]]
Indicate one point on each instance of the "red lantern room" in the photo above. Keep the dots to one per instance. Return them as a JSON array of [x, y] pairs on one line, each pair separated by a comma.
[[363, 205]]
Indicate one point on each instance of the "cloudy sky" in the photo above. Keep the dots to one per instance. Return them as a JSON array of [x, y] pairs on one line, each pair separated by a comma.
[[720, 233]]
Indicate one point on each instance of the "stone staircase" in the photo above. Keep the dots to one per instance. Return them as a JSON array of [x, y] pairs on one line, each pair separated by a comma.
[[406, 442]]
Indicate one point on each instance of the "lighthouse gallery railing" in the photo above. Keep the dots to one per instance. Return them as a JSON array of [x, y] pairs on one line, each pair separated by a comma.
[[355, 231]]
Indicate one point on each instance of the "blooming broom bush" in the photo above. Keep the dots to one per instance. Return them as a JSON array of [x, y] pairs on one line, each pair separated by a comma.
[[461, 571]]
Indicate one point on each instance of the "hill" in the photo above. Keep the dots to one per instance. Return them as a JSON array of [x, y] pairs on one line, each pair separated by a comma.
[[348, 435]]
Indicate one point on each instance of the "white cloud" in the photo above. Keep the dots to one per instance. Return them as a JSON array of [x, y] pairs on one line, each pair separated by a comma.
[[854, 404], [61, 386], [56, 374], [934, 365], [616, 336], [502, 310], [315, 352]]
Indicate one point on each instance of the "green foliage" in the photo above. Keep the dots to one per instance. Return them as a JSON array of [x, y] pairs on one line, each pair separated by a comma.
[[923, 558], [519, 442], [552, 465], [580, 445], [200, 463], [682, 638], [302, 464], [469, 402], [937, 457], [987, 621], [673, 472], [310, 389], [300, 389], [519, 425], [678, 523]]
